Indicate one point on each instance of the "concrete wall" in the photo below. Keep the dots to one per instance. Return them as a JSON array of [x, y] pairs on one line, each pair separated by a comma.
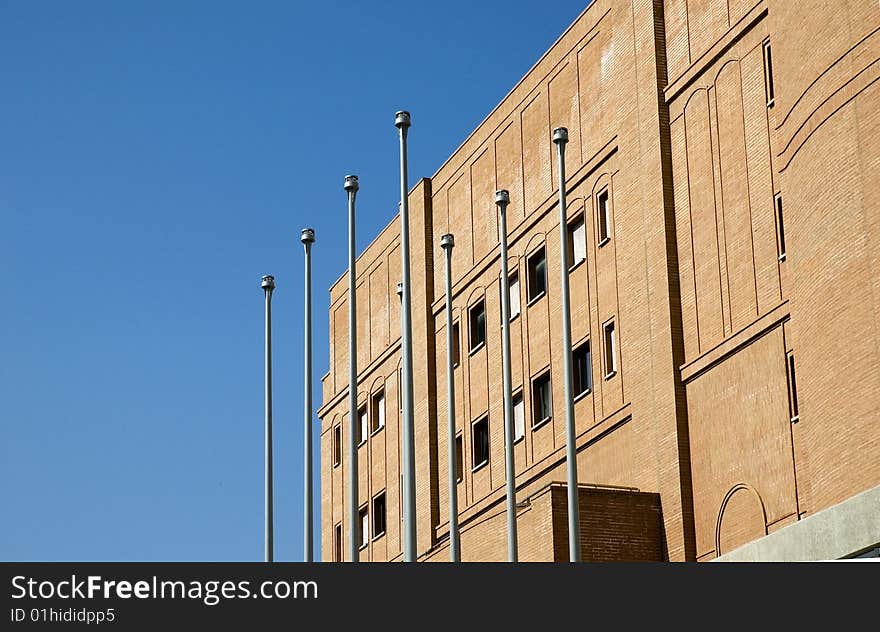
[[841, 531]]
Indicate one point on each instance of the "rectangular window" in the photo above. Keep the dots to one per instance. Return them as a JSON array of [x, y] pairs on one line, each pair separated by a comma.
[[365, 527], [780, 226], [603, 219], [456, 345], [337, 446], [478, 325], [519, 417], [400, 388], [768, 74], [537, 265], [513, 294], [577, 242], [459, 458], [542, 400], [582, 374], [610, 350], [337, 543], [481, 442], [362, 426], [793, 411], [378, 420], [379, 515]]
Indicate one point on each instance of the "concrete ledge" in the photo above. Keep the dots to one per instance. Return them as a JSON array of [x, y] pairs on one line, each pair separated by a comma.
[[840, 531]]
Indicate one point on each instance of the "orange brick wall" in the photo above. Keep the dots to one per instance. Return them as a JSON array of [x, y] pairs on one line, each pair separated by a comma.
[[666, 109]]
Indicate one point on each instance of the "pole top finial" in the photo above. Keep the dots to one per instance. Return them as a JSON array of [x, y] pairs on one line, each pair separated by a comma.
[[267, 283], [351, 183], [502, 197], [402, 119], [447, 241], [560, 135], [307, 236]]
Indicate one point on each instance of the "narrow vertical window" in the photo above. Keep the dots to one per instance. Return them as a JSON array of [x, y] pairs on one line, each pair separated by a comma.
[[478, 325], [400, 388], [513, 295], [610, 350], [519, 417], [337, 543], [577, 242], [768, 74], [365, 527], [603, 217], [582, 375], [542, 400], [379, 515], [794, 412], [537, 266], [456, 345], [378, 418], [364, 428], [459, 458], [337, 446], [780, 226], [481, 442]]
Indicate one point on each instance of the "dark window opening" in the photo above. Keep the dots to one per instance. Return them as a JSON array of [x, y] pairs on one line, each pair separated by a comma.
[[582, 375], [610, 350], [337, 446], [537, 265], [459, 458], [481, 442], [542, 400], [379, 515], [780, 226], [604, 217], [478, 325], [378, 418], [768, 73], [794, 412]]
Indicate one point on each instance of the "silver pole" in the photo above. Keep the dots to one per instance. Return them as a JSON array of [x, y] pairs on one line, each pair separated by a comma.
[[402, 389], [447, 242], [560, 138], [402, 122], [351, 187], [307, 237], [502, 199], [268, 285]]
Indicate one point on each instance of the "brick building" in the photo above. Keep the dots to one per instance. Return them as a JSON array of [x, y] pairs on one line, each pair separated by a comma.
[[723, 179]]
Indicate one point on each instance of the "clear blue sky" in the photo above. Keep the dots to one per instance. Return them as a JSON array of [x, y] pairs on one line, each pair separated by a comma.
[[155, 159]]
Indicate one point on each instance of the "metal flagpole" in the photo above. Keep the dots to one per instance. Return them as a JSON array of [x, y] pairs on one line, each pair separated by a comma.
[[402, 122], [308, 238], [351, 187], [502, 199], [447, 242], [268, 285], [560, 138]]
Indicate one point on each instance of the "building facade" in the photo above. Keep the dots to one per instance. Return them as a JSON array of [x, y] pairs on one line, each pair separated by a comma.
[[723, 182]]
